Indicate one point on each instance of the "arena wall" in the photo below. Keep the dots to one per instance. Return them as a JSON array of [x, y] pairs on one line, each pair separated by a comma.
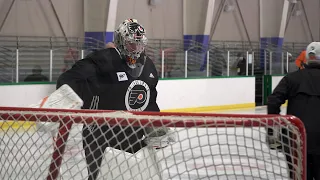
[[37, 18], [161, 22], [164, 21]]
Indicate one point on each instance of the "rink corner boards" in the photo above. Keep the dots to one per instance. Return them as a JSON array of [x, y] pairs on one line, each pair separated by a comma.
[[26, 126]]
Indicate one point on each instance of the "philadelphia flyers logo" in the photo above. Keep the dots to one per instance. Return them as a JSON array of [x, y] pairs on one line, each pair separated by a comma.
[[137, 96]]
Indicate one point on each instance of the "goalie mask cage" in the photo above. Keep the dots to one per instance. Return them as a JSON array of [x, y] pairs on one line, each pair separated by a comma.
[[207, 146]]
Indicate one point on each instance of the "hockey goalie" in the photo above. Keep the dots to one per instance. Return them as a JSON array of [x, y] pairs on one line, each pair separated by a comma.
[[121, 78]]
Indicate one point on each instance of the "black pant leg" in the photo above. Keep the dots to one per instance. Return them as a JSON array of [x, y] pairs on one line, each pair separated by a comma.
[[97, 138], [286, 149], [127, 138], [313, 167], [316, 168], [94, 145], [309, 167]]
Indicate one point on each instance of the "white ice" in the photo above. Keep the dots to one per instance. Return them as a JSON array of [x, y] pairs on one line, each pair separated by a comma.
[[199, 153]]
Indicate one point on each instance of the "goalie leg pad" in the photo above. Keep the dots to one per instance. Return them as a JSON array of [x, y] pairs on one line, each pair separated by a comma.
[[119, 165]]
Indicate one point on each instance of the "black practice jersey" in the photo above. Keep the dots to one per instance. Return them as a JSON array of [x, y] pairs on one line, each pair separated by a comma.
[[101, 80]]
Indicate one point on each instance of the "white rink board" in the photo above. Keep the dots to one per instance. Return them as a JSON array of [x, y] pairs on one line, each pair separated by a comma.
[[205, 92], [24, 95], [172, 94], [233, 153], [275, 81]]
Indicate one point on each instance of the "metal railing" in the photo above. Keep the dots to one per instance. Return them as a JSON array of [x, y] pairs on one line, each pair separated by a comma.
[[172, 58], [6, 64]]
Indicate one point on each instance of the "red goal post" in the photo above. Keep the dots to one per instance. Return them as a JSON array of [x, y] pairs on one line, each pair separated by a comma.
[[216, 128]]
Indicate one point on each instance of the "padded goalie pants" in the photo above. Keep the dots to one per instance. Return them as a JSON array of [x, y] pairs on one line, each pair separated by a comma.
[[287, 150], [313, 167], [97, 138]]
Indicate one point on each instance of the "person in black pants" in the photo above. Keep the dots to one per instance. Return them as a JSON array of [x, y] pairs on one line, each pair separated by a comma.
[[302, 90]]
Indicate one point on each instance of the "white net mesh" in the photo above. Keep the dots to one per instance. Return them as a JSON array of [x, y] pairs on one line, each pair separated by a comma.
[[198, 146]]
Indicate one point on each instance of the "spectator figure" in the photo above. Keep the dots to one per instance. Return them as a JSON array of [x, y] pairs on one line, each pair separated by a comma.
[[301, 60], [241, 65], [36, 75]]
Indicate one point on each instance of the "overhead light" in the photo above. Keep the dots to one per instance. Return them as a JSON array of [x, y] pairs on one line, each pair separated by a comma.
[[228, 8], [154, 2], [297, 13], [293, 1]]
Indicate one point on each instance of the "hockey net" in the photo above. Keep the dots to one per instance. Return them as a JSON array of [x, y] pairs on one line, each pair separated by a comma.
[[207, 146]]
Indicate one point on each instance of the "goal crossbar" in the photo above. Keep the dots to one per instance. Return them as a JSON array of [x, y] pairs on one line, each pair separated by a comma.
[[147, 118]]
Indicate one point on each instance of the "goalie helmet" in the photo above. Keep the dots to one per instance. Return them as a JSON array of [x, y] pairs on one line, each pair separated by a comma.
[[130, 40]]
